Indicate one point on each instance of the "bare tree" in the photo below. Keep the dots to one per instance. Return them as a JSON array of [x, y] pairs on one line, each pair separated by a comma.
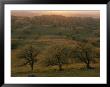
[[85, 53], [28, 54], [56, 55]]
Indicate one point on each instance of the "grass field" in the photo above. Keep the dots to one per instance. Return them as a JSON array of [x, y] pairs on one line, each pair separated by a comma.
[[43, 35], [70, 70], [73, 70]]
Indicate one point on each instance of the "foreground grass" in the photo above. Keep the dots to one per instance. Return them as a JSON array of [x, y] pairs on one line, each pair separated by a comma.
[[72, 71]]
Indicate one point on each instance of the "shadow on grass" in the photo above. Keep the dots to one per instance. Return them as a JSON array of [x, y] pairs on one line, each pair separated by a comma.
[[82, 72]]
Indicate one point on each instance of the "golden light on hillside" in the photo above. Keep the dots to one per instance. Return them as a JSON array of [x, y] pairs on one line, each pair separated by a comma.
[[80, 13], [57, 12], [74, 13]]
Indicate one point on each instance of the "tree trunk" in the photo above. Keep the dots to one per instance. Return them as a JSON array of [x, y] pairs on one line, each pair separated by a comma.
[[60, 67], [88, 66], [32, 68], [88, 61]]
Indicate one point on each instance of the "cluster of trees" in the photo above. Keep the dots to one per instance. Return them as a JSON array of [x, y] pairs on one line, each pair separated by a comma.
[[75, 28], [55, 21], [59, 55], [60, 25]]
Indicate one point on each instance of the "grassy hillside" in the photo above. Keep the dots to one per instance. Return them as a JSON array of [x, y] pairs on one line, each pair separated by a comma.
[[43, 32]]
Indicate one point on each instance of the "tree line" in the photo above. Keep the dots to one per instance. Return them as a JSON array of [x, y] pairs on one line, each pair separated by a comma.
[[55, 21], [59, 55]]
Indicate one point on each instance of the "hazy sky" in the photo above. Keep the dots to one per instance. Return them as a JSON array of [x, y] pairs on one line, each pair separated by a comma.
[[81, 13]]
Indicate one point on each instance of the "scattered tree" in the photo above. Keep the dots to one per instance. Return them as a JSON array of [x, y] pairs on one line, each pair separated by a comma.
[[28, 54], [56, 55], [85, 53]]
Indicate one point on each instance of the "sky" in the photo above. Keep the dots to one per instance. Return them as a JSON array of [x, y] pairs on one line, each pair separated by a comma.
[[74, 13]]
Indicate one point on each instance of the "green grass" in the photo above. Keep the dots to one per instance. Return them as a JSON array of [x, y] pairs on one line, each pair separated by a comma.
[[71, 70], [72, 73]]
